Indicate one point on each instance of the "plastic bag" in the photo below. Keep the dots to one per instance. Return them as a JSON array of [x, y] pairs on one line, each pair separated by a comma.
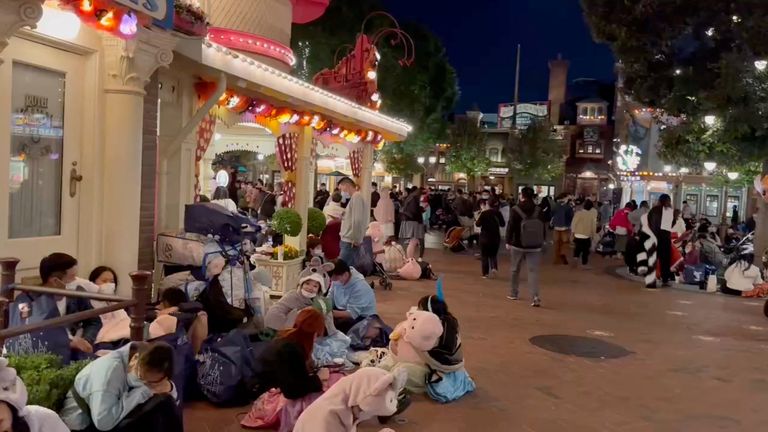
[[329, 348]]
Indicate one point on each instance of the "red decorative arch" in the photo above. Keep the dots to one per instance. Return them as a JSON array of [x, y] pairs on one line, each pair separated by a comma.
[[305, 11], [252, 43]]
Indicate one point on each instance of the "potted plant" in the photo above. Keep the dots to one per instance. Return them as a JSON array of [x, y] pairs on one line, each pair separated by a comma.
[[46, 379], [315, 221], [286, 262], [189, 19]]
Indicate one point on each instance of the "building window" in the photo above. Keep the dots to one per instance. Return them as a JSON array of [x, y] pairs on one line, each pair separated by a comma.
[[494, 154], [693, 203], [584, 112], [589, 148], [600, 112], [712, 206]]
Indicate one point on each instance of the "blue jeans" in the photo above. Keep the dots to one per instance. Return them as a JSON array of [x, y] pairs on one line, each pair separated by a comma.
[[348, 253]]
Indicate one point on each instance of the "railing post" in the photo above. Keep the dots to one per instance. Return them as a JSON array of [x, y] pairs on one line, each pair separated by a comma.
[[141, 290], [7, 278]]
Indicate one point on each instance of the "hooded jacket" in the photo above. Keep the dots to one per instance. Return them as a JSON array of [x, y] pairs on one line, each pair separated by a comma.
[[355, 297], [14, 393], [282, 314], [110, 392]]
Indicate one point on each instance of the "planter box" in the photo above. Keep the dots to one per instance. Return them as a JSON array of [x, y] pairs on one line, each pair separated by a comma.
[[189, 28], [285, 274]]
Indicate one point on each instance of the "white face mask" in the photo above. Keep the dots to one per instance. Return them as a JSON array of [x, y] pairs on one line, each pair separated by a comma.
[[107, 288], [308, 294], [318, 252]]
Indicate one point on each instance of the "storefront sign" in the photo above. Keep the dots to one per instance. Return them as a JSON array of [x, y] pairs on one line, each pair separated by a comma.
[[498, 171], [160, 10], [526, 113], [628, 157]]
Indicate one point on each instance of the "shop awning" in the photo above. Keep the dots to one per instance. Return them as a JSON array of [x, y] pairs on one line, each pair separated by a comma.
[[280, 86]]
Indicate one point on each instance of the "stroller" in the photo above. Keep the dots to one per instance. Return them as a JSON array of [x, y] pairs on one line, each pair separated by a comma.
[[453, 239], [607, 244], [367, 265]]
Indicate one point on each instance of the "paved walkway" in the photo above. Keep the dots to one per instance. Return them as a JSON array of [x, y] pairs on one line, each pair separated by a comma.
[[695, 362]]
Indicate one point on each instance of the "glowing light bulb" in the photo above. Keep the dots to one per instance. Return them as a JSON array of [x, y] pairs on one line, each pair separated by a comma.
[[371, 75], [107, 19], [710, 120], [375, 97], [761, 65], [129, 24], [733, 175], [710, 166], [86, 6]]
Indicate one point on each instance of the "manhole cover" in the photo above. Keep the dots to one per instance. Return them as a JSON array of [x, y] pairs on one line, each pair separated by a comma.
[[580, 346]]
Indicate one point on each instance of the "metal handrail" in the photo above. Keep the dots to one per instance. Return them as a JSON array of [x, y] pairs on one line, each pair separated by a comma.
[[64, 320], [60, 292]]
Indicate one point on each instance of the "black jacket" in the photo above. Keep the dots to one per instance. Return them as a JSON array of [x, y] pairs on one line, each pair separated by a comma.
[[490, 222], [284, 367], [411, 210], [515, 220]]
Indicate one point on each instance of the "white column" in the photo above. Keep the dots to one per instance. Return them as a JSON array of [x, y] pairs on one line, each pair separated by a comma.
[[366, 175], [129, 66], [15, 15], [305, 176]]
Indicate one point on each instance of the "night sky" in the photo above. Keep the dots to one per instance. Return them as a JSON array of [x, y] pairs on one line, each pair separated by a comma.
[[481, 35]]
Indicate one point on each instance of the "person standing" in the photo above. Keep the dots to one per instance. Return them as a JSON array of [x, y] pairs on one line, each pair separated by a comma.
[[562, 217], [412, 227], [525, 239], [620, 224], [321, 197], [354, 222], [735, 216], [384, 213], [583, 227], [490, 222], [661, 218], [637, 213], [375, 196], [606, 212]]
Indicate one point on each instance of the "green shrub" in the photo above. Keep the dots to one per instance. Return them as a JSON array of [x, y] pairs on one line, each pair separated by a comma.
[[46, 379], [287, 222], [315, 221]]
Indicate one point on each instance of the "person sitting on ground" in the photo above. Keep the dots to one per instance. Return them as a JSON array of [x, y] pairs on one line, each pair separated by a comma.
[[221, 197], [59, 270], [710, 252], [447, 356], [287, 361], [353, 299], [126, 390], [742, 278], [15, 414], [174, 302], [282, 315]]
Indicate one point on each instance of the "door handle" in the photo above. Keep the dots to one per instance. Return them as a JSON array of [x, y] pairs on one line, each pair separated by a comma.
[[74, 179]]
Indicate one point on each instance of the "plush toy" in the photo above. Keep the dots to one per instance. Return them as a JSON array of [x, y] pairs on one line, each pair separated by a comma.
[[408, 345], [366, 394], [377, 235]]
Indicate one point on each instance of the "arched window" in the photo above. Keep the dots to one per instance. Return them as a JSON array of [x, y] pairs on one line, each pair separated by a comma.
[[494, 154]]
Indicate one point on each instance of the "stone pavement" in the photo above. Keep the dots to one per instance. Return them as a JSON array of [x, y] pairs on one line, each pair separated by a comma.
[[696, 362]]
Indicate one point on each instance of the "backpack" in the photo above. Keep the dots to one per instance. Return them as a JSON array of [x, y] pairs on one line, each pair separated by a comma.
[[531, 229], [227, 368]]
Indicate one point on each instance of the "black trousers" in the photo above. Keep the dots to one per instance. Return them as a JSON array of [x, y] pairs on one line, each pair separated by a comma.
[[489, 252], [581, 249], [664, 251]]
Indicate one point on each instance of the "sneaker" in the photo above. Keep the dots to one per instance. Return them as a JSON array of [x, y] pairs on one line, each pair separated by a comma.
[[493, 274], [513, 297], [485, 277], [536, 302]]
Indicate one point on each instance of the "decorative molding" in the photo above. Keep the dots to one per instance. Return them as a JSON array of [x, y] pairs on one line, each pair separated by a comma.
[[131, 63], [15, 15]]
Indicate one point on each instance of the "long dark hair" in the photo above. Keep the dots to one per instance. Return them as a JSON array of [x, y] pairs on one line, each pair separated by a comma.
[[19, 424], [433, 304]]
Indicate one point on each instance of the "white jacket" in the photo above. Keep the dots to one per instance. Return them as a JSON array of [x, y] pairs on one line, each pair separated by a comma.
[[739, 278], [42, 419]]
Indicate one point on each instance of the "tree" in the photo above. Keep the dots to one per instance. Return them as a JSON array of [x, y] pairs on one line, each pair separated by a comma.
[[423, 93], [694, 60], [467, 151], [705, 64], [534, 153]]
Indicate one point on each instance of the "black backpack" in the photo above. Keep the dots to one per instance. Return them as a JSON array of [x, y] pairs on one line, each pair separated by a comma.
[[531, 229]]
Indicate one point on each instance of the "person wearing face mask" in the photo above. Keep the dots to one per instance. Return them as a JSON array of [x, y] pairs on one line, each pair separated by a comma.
[[354, 223], [309, 293], [129, 389], [59, 270], [352, 297]]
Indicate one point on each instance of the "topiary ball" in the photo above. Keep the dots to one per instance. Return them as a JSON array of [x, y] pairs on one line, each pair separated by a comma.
[[315, 221], [287, 222]]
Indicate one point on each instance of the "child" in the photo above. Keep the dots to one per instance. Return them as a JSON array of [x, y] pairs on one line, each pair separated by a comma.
[[743, 278]]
